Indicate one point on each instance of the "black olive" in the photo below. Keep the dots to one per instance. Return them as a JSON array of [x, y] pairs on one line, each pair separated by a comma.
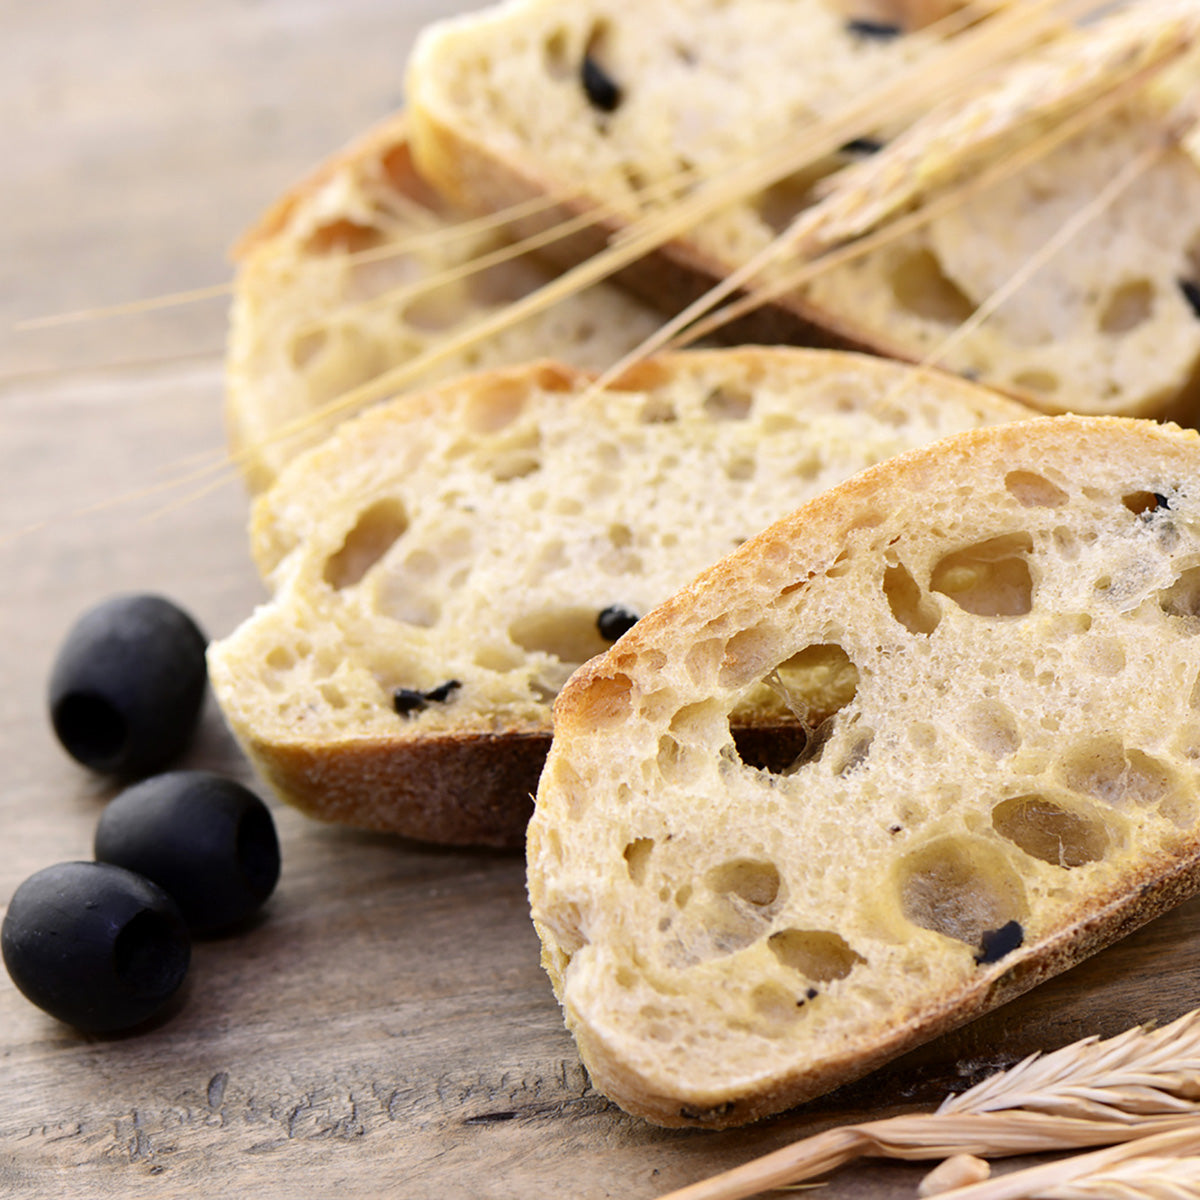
[[207, 841], [994, 944], [615, 620], [127, 685], [881, 30], [1191, 293], [599, 87], [862, 145], [95, 945], [407, 701]]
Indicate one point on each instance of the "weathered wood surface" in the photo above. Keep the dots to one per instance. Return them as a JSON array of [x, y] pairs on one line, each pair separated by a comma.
[[385, 1030]]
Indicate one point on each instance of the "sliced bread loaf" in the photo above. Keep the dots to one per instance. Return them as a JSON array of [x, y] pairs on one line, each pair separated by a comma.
[[447, 559], [348, 276], [507, 104], [991, 648]]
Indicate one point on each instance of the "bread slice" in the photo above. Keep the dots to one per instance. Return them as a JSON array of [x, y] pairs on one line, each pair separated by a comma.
[[446, 560], [1107, 324], [333, 289], [991, 648]]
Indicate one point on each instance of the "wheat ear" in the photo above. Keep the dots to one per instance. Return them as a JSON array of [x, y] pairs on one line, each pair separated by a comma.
[[1130, 1170], [1090, 1093]]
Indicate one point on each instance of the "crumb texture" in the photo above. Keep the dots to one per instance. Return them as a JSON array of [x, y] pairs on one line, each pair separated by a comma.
[[478, 534], [990, 649], [365, 269]]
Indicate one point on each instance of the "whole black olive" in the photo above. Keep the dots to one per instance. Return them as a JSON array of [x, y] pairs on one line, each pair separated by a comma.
[[204, 839], [127, 685], [95, 945]]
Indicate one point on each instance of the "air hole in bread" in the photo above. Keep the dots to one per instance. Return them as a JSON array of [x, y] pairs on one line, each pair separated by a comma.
[[960, 888], [728, 404], [775, 1006], [747, 656], [922, 288], [503, 284], [342, 236], [753, 880], [332, 695], [608, 701], [678, 764], [519, 458], [991, 727], [280, 658], [1104, 768], [910, 606], [814, 953], [989, 579], [438, 309], [568, 634], [396, 166], [1127, 307], [637, 859], [1143, 502], [306, 347], [1061, 836], [740, 467], [821, 679], [774, 749], [1032, 490], [1037, 379], [658, 410], [377, 529], [1182, 599], [556, 55], [781, 203], [498, 658], [494, 405]]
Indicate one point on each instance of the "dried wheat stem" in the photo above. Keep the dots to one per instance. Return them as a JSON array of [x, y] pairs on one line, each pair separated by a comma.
[[946, 143], [1069, 229], [951, 198], [1146, 1178], [1053, 1179], [587, 219]]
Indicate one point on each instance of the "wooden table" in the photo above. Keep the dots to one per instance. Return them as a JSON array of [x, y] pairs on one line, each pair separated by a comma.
[[385, 1030]]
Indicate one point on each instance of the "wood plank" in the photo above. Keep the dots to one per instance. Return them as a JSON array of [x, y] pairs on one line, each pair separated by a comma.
[[385, 1028]]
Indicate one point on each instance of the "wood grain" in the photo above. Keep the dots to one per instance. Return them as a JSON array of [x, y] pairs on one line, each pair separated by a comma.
[[384, 1029]]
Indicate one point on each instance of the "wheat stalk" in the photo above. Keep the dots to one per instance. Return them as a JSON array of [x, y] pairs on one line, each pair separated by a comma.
[[691, 323], [1139, 1083], [1165, 1162], [1146, 1178]]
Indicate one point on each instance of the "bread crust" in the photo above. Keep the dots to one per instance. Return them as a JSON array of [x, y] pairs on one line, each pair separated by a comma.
[[456, 789]]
